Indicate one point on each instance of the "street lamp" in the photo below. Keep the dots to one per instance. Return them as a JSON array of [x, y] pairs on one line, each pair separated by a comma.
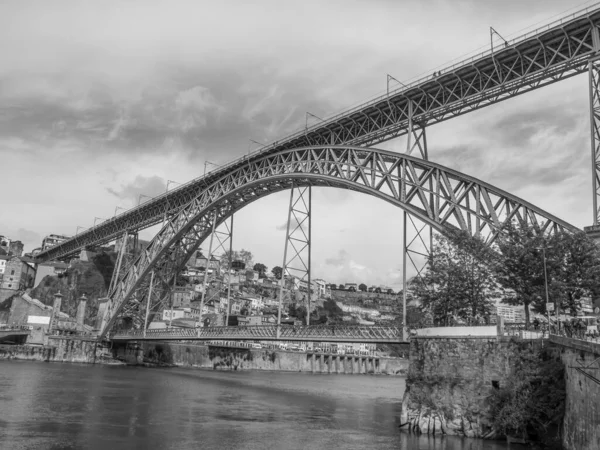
[[117, 208], [78, 227], [207, 163], [96, 218], [176, 182], [543, 249], [140, 198]]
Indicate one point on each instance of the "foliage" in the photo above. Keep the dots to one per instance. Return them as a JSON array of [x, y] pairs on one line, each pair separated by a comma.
[[277, 271], [241, 255], [572, 268], [342, 287], [458, 282], [261, 269], [362, 287], [532, 400]]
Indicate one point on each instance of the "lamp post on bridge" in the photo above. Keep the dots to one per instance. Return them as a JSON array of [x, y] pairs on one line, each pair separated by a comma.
[[117, 208], [543, 249], [96, 218], [140, 198]]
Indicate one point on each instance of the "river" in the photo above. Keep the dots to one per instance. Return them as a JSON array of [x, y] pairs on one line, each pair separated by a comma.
[[69, 406]]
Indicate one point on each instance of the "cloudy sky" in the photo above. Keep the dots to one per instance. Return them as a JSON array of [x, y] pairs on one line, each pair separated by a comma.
[[103, 101]]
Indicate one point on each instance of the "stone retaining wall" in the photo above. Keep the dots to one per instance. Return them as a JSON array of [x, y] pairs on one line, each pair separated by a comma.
[[581, 426], [449, 382]]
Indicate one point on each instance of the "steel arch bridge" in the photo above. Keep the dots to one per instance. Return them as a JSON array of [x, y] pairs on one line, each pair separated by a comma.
[[549, 54], [441, 197]]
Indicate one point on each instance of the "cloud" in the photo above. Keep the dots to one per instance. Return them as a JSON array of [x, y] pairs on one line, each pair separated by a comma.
[[294, 224], [141, 185]]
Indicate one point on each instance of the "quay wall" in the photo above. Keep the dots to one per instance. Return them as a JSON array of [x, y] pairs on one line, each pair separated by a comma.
[[193, 354], [581, 424], [59, 349], [449, 381]]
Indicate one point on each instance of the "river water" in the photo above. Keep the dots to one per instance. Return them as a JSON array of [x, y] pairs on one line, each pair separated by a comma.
[[68, 406]]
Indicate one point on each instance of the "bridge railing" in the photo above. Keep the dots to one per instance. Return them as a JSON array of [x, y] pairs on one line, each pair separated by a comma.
[[257, 332], [15, 328]]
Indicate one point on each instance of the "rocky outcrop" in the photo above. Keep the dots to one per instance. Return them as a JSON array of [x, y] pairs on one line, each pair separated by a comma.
[[447, 408]]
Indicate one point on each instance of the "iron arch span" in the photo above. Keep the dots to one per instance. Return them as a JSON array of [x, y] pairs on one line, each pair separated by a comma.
[[441, 197]]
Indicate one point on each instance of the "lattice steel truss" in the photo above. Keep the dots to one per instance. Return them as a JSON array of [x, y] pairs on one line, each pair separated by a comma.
[[222, 237], [594, 74], [531, 61], [455, 201], [329, 333], [297, 251]]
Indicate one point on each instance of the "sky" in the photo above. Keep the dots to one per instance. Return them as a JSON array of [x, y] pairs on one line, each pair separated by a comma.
[[101, 102]]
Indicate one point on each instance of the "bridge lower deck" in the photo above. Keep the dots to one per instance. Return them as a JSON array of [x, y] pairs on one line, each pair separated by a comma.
[[318, 333]]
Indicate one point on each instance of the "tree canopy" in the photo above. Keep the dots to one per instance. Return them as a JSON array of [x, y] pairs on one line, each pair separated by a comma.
[[362, 287], [261, 269], [237, 255], [458, 281], [277, 271], [572, 263]]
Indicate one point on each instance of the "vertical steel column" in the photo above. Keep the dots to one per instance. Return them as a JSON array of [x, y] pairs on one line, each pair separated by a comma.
[[148, 302], [416, 138], [117, 270], [309, 253], [212, 235], [594, 76], [404, 283], [229, 272], [298, 239], [287, 235]]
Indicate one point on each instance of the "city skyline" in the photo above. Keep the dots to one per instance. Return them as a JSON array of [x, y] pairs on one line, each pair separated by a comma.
[[101, 105]]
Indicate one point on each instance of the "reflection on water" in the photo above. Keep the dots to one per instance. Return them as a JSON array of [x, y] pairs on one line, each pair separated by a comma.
[[65, 406]]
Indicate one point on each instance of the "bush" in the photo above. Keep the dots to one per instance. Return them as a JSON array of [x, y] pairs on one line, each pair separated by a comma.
[[532, 402]]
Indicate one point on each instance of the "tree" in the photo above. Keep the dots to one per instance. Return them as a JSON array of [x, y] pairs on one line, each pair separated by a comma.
[[362, 287], [458, 282], [342, 287], [571, 261], [242, 255], [261, 269], [277, 271]]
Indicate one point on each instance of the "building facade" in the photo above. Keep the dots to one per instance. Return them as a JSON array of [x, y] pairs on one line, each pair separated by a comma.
[[18, 274], [53, 239]]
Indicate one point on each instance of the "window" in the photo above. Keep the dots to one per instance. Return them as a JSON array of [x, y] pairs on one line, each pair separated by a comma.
[[12, 272], [9, 286]]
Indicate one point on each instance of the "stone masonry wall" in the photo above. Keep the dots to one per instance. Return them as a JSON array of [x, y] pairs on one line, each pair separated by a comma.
[[59, 349], [581, 426], [449, 382]]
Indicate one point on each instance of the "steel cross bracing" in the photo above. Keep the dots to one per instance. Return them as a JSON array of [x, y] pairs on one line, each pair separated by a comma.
[[440, 197], [594, 76], [297, 252], [528, 62], [320, 333]]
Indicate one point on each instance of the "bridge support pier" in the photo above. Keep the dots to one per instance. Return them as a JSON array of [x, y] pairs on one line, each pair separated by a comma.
[[420, 245], [594, 76], [298, 238]]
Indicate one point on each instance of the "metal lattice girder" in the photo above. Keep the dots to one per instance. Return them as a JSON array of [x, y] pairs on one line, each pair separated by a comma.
[[454, 201], [325, 333], [296, 259], [534, 60], [594, 74]]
